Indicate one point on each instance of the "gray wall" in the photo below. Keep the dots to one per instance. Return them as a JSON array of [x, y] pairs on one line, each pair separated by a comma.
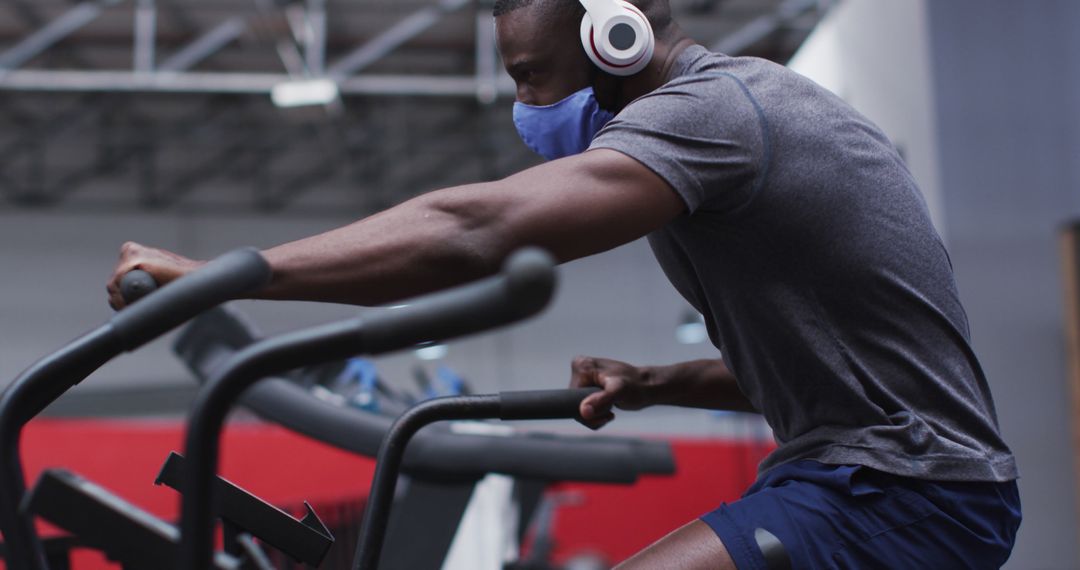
[[875, 55], [1007, 78]]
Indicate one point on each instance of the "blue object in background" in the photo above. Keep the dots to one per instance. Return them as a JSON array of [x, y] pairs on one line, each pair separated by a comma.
[[360, 377], [451, 382]]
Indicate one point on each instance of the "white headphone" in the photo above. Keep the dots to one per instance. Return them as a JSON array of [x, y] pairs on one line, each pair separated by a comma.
[[616, 36]]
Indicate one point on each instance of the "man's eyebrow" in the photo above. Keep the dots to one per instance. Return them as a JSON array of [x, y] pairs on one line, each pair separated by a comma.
[[518, 65]]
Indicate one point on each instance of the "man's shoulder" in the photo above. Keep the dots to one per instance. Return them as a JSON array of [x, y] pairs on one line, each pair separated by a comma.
[[717, 90], [702, 132], [702, 64], [713, 77]]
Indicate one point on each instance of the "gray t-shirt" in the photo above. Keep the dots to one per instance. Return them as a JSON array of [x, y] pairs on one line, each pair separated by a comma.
[[809, 249]]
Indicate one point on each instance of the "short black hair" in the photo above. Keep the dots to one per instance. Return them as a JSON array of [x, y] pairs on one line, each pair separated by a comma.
[[657, 11], [550, 8], [504, 6]]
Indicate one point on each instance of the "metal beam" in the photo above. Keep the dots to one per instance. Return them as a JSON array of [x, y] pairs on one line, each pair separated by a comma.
[[145, 31], [381, 45], [487, 65], [178, 16], [205, 45], [764, 26], [56, 30], [315, 38], [32, 18], [269, 12], [135, 149], [254, 83]]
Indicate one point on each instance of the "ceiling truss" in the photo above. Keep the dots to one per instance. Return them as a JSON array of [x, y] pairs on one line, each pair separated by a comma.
[[108, 104]]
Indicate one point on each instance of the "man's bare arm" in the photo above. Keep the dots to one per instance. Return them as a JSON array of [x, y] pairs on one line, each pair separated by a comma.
[[572, 207], [696, 384]]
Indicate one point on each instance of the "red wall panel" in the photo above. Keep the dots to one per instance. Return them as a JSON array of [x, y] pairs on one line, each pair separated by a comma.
[[286, 469]]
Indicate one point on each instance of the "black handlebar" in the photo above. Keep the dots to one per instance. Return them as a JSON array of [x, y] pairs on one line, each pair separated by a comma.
[[542, 404], [536, 404], [229, 276], [224, 278], [217, 335], [136, 284], [523, 288]]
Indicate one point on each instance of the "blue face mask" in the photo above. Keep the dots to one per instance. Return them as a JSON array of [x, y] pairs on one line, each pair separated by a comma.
[[563, 128]]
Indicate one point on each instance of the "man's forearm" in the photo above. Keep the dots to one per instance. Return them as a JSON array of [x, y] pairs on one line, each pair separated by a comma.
[[418, 246], [695, 384]]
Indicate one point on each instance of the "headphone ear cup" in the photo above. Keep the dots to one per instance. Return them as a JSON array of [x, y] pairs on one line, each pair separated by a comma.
[[588, 45], [602, 51]]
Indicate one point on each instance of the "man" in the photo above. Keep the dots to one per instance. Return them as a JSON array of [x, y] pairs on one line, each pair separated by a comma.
[[792, 224]]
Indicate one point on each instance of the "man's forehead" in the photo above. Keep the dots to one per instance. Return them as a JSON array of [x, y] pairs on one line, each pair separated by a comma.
[[530, 31], [525, 23]]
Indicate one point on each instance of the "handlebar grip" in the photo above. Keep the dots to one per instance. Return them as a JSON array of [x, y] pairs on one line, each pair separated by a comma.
[[542, 404], [530, 281], [229, 276], [523, 289], [136, 284]]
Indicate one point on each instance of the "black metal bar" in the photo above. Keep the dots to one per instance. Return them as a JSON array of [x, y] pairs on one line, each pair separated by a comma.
[[26, 397], [292, 350], [306, 541], [539, 404], [215, 336], [230, 275], [57, 551], [105, 521], [542, 404], [522, 290], [377, 512], [136, 284]]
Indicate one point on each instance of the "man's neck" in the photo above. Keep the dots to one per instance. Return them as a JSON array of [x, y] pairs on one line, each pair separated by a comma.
[[658, 72]]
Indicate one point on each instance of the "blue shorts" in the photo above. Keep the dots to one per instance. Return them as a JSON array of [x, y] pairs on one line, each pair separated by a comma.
[[848, 516]]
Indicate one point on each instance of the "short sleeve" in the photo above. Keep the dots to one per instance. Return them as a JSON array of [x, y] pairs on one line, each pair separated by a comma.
[[703, 134]]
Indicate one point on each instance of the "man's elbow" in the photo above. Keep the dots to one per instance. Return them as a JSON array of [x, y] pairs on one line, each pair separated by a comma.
[[475, 235]]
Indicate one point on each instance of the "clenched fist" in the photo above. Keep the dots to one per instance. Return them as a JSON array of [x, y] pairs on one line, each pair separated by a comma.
[[624, 387], [163, 266]]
